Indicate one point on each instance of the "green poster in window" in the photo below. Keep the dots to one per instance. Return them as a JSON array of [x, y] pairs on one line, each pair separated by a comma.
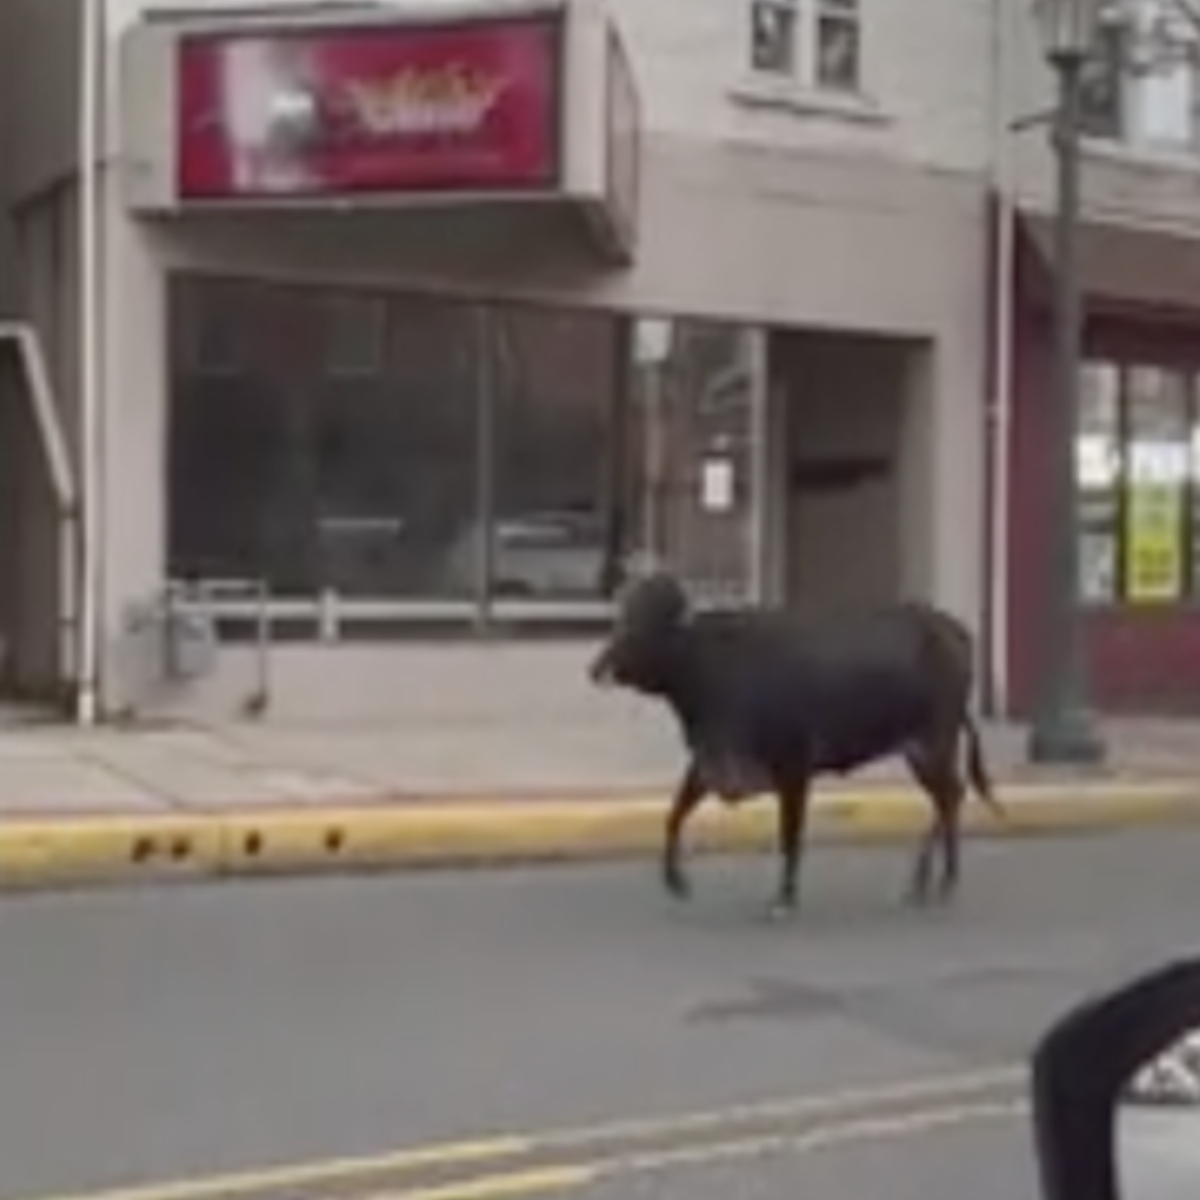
[[1154, 542]]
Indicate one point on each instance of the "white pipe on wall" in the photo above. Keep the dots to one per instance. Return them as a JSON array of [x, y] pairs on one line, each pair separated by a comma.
[[89, 119], [1000, 401]]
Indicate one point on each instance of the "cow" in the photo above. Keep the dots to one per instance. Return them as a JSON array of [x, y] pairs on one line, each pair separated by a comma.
[[766, 701]]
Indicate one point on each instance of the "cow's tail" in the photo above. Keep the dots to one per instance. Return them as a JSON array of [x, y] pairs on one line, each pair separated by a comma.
[[977, 772]]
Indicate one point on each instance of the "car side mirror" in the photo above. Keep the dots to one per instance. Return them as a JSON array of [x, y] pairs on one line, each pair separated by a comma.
[[1114, 1115]]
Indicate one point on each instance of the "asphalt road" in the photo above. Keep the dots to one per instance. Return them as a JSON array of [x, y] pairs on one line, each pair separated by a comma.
[[860, 1051]]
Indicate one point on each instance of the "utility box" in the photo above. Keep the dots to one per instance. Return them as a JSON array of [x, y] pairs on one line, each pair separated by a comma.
[[190, 643]]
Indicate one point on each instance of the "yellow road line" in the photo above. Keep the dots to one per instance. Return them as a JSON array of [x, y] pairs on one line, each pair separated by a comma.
[[839, 1133], [322, 1173], [506, 1184], [811, 1105], [573, 1176], [245, 1185]]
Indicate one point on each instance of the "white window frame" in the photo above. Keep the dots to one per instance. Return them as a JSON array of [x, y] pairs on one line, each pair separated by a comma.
[[799, 65]]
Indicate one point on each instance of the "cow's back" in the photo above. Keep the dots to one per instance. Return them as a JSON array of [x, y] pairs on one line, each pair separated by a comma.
[[868, 690], [837, 693], [830, 694]]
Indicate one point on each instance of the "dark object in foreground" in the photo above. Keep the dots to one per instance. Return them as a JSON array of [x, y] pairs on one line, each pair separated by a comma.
[[1082, 1066], [766, 702]]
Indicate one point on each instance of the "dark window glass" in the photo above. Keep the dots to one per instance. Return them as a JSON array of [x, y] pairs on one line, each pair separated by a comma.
[[557, 529], [234, 433], [773, 35], [359, 481], [355, 331], [838, 45], [1098, 474], [396, 459], [387, 447], [1104, 77]]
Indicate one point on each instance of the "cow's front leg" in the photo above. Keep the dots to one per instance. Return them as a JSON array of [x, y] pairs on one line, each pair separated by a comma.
[[688, 795], [793, 814], [917, 893]]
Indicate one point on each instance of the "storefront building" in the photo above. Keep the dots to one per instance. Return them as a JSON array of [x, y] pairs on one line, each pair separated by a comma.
[[414, 327], [1138, 444]]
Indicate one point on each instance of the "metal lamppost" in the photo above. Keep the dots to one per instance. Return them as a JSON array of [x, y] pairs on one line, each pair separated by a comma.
[[1063, 731]]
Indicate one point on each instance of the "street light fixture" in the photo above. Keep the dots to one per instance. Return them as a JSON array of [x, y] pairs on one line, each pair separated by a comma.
[[1068, 28], [1063, 731]]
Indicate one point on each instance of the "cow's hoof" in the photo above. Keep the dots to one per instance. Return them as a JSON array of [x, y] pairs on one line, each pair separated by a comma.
[[781, 910], [677, 885]]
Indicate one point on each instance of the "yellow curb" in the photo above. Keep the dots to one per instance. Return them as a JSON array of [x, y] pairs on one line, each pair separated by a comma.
[[340, 838], [479, 833], [93, 849]]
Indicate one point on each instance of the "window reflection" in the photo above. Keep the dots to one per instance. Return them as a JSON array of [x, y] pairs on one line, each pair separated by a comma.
[[395, 457], [1158, 462], [1137, 462], [352, 481], [395, 449], [1098, 465], [557, 527], [696, 399], [1193, 511]]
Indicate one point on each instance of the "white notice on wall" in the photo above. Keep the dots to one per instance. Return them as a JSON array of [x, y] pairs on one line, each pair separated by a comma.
[[652, 340], [716, 485]]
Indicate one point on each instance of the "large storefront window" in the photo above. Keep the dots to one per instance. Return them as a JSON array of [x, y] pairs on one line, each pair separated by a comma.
[[1138, 471], [694, 384], [399, 455], [1098, 459]]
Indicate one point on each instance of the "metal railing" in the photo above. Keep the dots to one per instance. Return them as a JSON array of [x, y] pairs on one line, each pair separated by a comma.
[[203, 597]]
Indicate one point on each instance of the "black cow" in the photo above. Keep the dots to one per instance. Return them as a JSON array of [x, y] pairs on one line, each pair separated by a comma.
[[765, 702]]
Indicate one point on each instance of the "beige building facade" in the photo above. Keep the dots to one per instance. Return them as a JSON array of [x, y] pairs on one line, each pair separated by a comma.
[[409, 428]]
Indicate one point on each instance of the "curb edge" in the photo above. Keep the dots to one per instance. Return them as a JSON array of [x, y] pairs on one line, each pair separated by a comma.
[[343, 838]]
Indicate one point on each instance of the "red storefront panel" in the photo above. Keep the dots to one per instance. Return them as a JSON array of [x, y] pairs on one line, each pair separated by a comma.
[[312, 113], [1142, 658]]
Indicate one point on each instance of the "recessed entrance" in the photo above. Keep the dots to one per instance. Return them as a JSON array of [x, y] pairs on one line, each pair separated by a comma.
[[843, 411], [37, 529]]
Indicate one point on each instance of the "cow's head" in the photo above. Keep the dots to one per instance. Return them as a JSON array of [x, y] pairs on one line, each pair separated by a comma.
[[650, 611]]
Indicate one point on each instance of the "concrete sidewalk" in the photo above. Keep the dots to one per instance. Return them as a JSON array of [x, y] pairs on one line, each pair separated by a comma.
[[79, 806]]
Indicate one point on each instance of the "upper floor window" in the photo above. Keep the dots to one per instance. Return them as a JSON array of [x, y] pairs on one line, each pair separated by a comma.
[[1142, 86], [815, 43]]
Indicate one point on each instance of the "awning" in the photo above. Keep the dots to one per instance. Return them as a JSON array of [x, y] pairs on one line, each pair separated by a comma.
[[1125, 264]]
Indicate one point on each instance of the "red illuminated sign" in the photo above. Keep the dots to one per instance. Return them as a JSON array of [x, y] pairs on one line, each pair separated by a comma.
[[320, 113]]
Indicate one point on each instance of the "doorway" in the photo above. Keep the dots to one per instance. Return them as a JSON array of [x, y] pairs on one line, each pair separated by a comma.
[[843, 408], [37, 533]]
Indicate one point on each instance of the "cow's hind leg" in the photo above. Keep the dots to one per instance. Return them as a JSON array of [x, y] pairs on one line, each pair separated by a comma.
[[918, 886], [793, 814], [688, 795], [952, 793], [935, 768]]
